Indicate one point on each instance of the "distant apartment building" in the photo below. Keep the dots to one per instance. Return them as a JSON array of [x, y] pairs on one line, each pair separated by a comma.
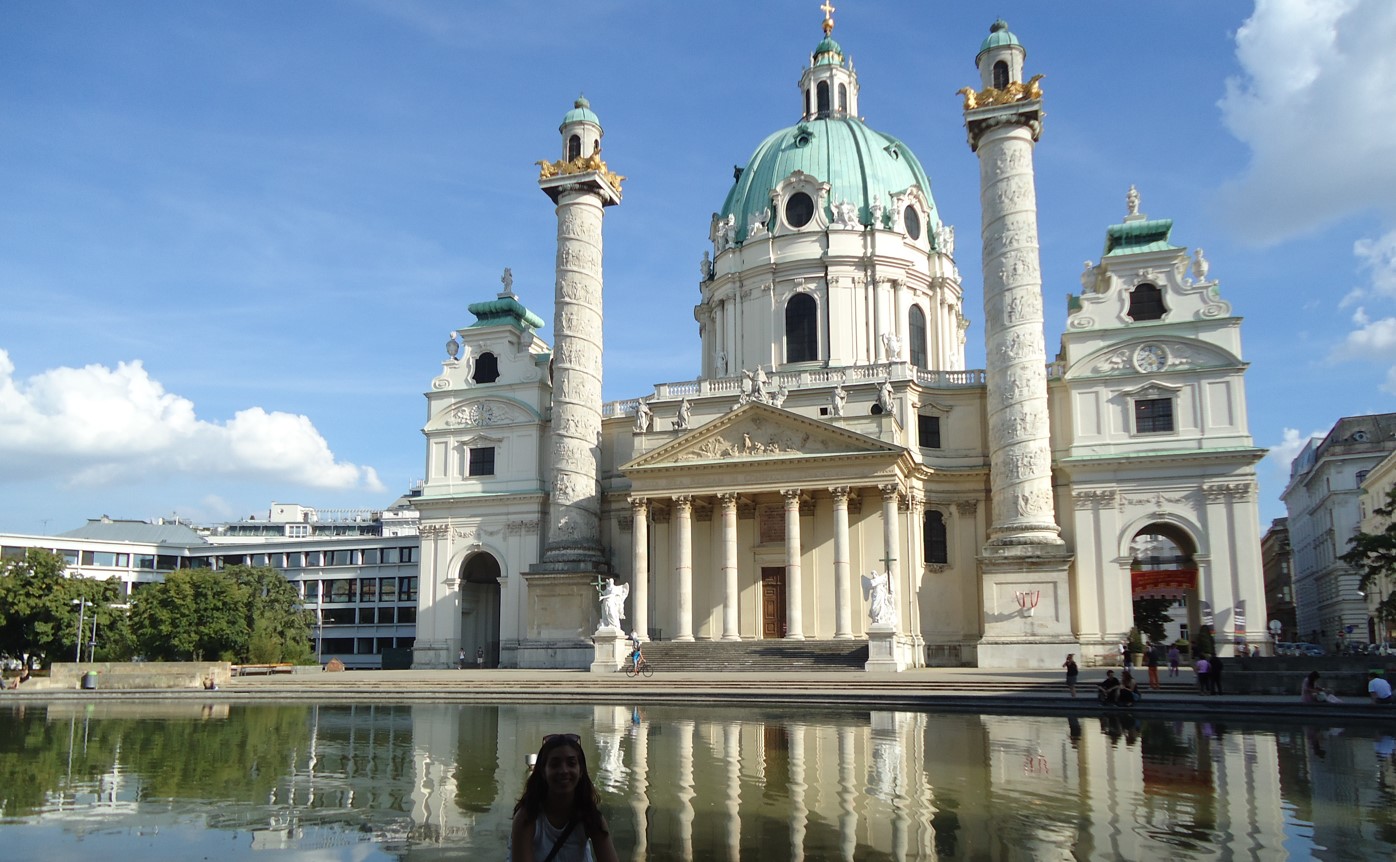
[[1276, 563], [1375, 488], [1324, 503], [356, 570]]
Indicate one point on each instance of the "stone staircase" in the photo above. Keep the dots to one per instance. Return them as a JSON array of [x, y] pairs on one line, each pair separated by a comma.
[[763, 656]]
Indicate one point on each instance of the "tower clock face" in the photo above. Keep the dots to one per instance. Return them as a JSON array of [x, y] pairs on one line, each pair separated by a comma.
[[1150, 358]]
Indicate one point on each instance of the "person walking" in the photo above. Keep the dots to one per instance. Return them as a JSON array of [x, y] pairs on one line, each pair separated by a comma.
[[1175, 658], [1151, 662], [479, 658], [559, 813], [1126, 661], [460, 659], [1072, 672], [1214, 669], [1203, 668]]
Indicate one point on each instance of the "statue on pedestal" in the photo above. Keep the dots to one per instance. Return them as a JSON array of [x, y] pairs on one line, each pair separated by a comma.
[[613, 604], [878, 589]]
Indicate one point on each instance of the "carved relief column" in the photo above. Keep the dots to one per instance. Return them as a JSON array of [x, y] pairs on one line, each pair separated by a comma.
[[843, 609], [730, 629], [683, 566], [891, 539], [640, 554], [794, 592]]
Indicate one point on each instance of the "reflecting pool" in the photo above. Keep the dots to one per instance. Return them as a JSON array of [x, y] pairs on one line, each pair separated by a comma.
[[342, 782]]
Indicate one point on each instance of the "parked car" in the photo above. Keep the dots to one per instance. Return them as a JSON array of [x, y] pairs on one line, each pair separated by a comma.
[[1312, 650], [1284, 648]]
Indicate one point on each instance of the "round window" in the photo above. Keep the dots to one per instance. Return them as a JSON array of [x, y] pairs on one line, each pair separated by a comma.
[[912, 219], [799, 209]]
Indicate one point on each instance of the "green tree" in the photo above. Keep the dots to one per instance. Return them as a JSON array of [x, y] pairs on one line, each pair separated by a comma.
[[1150, 616], [195, 614], [39, 611], [1374, 556], [279, 629]]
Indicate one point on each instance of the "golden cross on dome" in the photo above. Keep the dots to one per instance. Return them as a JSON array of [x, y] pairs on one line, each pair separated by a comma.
[[828, 17]]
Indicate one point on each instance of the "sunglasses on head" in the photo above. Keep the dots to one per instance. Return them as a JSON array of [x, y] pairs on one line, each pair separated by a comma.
[[570, 737]]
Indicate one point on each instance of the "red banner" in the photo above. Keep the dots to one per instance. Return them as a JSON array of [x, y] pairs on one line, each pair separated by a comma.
[[1163, 583]]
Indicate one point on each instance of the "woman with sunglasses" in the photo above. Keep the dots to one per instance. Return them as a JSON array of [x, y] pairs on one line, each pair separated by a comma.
[[558, 818]]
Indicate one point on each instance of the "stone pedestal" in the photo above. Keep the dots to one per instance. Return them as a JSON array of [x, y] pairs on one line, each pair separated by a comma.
[[1017, 634], [612, 648], [888, 650]]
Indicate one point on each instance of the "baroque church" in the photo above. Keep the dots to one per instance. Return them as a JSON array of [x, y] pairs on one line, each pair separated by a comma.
[[834, 472]]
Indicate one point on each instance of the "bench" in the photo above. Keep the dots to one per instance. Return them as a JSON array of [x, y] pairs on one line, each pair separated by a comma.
[[255, 669]]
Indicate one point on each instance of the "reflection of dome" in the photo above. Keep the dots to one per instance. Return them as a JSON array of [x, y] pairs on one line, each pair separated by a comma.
[[860, 164]]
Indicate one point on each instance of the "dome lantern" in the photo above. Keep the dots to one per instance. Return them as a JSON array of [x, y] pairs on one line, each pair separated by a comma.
[[1000, 58], [581, 131], [829, 86]]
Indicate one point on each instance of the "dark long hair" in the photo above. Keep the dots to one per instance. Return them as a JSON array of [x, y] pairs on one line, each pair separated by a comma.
[[586, 804]]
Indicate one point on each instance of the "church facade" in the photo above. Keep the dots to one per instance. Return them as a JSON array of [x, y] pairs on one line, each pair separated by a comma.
[[834, 472]]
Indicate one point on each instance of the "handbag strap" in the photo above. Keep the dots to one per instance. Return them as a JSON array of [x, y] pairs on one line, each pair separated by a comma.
[[561, 840]]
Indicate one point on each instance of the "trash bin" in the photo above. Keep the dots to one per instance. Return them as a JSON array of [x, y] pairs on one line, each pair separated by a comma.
[[89, 680]]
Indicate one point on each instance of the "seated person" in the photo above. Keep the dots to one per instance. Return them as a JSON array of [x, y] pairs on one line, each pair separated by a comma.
[[1311, 691], [1105, 689], [1127, 692], [1378, 688]]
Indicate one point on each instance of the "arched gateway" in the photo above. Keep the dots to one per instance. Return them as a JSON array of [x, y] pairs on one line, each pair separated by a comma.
[[479, 607]]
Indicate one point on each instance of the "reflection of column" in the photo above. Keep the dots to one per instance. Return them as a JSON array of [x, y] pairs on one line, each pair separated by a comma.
[[843, 613], [640, 557], [848, 818], [798, 812], [730, 631], [686, 791], [890, 541], [732, 752], [683, 566], [794, 595], [639, 797]]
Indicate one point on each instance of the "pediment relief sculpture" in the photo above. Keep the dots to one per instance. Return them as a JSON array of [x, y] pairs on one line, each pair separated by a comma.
[[474, 414], [1152, 357], [750, 441]]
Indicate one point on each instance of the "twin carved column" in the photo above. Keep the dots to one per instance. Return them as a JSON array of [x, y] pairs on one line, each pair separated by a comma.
[[794, 592], [730, 626], [640, 554], [843, 614], [683, 566]]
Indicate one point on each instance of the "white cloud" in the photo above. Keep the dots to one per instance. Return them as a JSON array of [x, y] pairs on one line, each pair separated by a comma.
[[1371, 340], [97, 425], [1315, 105], [1282, 454]]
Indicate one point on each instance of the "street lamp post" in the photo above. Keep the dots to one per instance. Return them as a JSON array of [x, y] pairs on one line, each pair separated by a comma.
[[82, 606]]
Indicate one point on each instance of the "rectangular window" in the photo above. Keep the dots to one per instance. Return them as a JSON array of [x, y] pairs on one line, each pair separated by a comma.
[[1153, 415], [405, 643], [387, 589], [145, 561], [233, 560], [368, 589], [70, 558], [259, 559], [166, 562], [406, 615], [928, 431], [371, 557], [297, 531], [368, 616], [386, 616], [338, 616], [407, 589], [312, 590], [407, 554], [390, 555], [340, 646], [365, 646], [481, 461], [340, 558], [342, 590], [295, 560]]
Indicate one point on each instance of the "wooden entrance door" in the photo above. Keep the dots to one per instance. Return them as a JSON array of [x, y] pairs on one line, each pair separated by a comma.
[[773, 602]]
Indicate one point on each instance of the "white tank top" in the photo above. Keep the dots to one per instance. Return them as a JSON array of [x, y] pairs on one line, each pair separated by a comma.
[[545, 835]]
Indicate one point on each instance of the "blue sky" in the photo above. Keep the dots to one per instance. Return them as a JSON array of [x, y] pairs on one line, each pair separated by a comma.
[[235, 236]]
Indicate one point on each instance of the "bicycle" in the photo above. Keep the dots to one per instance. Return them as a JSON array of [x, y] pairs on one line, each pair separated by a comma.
[[643, 667]]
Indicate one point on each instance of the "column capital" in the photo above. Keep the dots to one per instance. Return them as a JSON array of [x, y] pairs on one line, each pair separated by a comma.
[[639, 505], [683, 503], [728, 501], [840, 494], [792, 496], [889, 492]]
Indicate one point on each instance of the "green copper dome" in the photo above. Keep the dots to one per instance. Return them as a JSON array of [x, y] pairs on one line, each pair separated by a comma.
[[581, 113], [861, 166], [828, 53], [999, 36]]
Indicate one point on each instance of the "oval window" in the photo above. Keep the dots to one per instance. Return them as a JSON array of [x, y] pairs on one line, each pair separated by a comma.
[[799, 209], [912, 220]]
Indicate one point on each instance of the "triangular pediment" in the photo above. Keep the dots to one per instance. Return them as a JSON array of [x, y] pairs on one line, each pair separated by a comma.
[[758, 432]]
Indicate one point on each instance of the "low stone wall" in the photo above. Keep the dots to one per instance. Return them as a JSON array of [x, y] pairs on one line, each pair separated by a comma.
[[1346, 676], [128, 675]]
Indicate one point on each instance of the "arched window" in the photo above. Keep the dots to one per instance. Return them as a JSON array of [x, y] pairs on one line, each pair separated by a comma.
[[574, 147], [801, 329], [843, 98], [809, 103], [1000, 75], [933, 538], [1146, 303], [916, 328], [486, 368], [821, 93]]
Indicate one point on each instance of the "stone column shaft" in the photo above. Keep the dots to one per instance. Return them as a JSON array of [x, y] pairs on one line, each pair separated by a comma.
[[891, 539], [683, 566], [730, 622], [843, 610], [794, 591], [1020, 457], [574, 511], [640, 555]]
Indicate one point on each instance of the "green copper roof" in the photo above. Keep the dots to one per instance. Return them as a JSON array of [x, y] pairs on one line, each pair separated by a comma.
[[504, 311], [999, 36], [581, 113], [861, 165], [1133, 237], [828, 53]]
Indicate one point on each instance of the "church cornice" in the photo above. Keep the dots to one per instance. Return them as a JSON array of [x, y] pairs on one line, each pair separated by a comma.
[[1133, 458]]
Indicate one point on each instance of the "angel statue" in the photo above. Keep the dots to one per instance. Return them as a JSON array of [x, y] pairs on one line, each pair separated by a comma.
[[878, 590], [613, 603]]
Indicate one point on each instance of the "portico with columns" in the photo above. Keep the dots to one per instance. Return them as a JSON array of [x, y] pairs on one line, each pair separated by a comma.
[[760, 525]]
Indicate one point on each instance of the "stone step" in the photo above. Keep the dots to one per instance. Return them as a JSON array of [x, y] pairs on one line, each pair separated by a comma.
[[755, 656]]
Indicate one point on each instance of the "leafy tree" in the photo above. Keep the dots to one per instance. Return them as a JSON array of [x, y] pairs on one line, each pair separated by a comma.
[[1206, 644], [1374, 555], [39, 615], [1150, 616], [242, 613]]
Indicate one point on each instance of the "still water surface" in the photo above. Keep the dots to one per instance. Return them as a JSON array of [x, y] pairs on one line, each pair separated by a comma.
[[342, 782]]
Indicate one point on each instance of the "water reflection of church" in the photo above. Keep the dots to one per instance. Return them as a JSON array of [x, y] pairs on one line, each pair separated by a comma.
[[833, 428]]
